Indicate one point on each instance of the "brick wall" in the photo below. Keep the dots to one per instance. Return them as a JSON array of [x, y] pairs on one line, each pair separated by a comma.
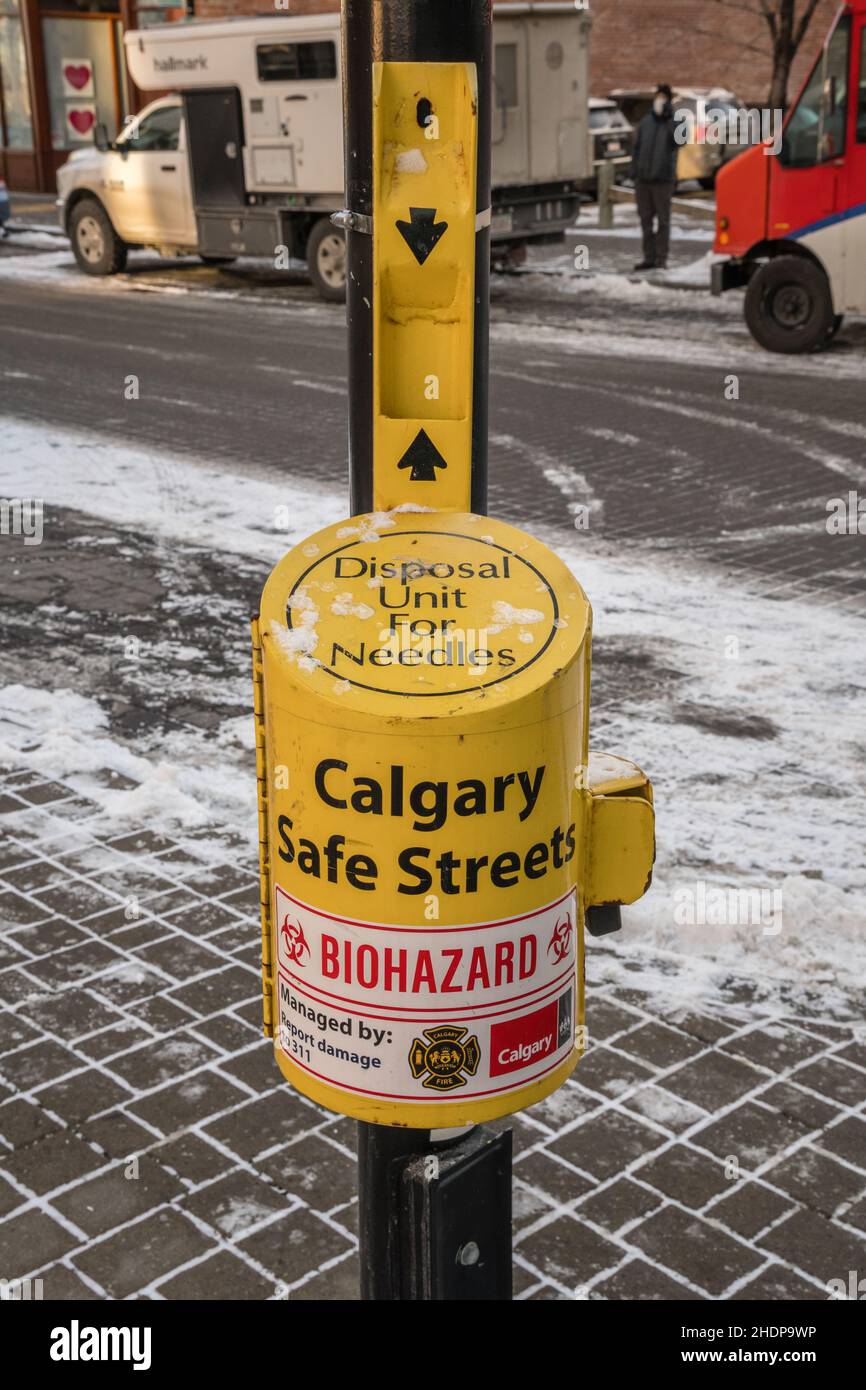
[[692, 43], [636, 43]]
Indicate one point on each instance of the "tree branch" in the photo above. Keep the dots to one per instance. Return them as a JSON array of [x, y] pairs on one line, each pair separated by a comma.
[[772, 17], [787, 31], [805, 21], [758, 9], [720, 36]]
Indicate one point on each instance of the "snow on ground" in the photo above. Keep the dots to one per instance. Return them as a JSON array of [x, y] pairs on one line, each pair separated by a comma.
[[42, 267], [34, 238], [146, 273], [191, 503], [626, 223], [62, 734], [716, 337], [616, 314], [748, 796]]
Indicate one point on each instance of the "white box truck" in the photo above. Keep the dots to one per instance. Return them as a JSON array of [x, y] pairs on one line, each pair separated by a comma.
[[245, 155]]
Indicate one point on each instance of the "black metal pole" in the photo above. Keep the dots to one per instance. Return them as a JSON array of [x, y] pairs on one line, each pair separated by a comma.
[[382, 1153], [435, 1214], [434, 31], [435, 1209]]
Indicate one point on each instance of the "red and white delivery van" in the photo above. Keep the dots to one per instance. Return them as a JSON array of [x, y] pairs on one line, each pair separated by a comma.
[[793, 224]]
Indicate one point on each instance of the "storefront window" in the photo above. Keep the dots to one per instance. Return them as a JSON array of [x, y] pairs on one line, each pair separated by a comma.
[[17, 131], [82, 79]]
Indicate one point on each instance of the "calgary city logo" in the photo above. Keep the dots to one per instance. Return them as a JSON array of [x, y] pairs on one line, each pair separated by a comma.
[[446, 1054], [295, 946], [560, 943]]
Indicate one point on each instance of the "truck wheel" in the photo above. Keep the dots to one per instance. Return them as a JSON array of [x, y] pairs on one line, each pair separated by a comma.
[[95, 244], [508, 256], [326, 261], [788, 305]]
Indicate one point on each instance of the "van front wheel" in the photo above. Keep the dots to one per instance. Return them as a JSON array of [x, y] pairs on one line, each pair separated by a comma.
[[95, 244], [788, 306], [326, 260]]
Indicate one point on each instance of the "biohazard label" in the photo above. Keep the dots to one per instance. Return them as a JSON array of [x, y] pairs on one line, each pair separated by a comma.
[[412, 1013]]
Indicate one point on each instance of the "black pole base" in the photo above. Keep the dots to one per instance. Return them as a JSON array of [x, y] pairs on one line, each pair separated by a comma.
[[435, 1217]]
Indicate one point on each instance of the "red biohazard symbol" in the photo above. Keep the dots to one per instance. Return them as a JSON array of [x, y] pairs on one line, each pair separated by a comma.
[[295, 943], [560, 942]]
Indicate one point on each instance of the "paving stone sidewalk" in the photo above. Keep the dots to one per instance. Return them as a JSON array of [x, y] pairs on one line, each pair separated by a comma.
[[149, 1148]]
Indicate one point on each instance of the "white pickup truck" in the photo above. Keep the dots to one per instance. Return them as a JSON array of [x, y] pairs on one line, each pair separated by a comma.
[[245, 155]]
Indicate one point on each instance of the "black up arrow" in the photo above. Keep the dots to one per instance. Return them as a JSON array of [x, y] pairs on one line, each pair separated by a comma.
[[423, 458], [421, 233]]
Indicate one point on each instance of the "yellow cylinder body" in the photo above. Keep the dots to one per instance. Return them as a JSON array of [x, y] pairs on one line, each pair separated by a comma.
[[422, 706]]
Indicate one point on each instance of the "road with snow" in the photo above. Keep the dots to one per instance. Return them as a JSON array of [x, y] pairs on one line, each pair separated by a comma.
[[605, 393], [729, 660], [727, 616]]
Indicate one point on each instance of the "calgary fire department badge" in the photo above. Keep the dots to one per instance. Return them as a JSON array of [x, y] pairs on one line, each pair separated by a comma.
[[446, 1054]]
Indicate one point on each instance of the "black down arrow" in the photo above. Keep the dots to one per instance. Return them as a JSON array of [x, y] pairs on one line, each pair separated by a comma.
[[421, 233], [423, 458]]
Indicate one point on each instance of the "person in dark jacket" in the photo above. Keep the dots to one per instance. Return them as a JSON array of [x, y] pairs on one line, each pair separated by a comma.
[[654, 170]]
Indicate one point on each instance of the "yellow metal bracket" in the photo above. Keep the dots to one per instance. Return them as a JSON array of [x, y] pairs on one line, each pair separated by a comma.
[[425, 131], [621, 839]]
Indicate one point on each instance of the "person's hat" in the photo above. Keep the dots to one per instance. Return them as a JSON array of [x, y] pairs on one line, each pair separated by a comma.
[[664, 90]]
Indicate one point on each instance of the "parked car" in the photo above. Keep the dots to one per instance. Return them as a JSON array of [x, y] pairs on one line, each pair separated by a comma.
[[698, 159], [5, 207], [611, 136]]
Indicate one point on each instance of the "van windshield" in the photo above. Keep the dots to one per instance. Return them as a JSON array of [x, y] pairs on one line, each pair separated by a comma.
[[815, 131]]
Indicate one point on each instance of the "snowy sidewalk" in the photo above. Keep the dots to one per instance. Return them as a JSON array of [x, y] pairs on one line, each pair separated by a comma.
[[711, 1144], [150, 1148]]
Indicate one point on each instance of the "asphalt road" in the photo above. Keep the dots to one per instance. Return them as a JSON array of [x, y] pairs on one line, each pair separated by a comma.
[[605, 394], [128, 667]]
